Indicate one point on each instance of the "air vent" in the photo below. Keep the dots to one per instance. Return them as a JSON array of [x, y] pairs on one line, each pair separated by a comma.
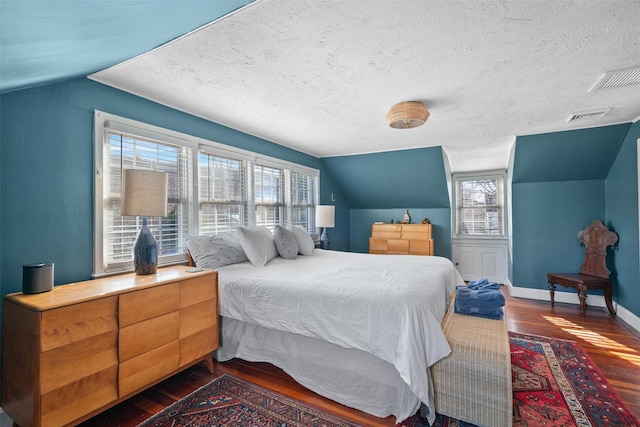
[[593, 114], [618, 78]]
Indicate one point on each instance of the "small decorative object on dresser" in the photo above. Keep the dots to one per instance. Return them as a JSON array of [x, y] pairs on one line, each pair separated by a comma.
[[406, 218], [425, 220], [70, 353]]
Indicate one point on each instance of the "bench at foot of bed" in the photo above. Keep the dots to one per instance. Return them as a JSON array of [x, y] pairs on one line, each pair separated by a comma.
[[474, 383]]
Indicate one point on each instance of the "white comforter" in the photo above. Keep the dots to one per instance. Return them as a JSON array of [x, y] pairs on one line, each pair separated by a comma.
[[389, 306]]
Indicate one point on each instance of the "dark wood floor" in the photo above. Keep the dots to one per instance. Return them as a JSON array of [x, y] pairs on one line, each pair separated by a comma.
[[613, 346]]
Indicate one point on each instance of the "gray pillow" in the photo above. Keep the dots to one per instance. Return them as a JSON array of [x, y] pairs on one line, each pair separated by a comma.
[[215, 251], [305, 242], [286, 242], [257, 243]]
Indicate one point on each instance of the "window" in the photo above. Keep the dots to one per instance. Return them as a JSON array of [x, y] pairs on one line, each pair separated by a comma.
[[270, 198], [479, 206], [222, 193], [213, 188]]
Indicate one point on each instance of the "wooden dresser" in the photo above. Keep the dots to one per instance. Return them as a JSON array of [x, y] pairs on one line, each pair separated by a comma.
[[401, 239], [70, 353]]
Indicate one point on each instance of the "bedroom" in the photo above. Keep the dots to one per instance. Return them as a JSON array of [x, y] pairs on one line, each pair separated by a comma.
[[46, 203]]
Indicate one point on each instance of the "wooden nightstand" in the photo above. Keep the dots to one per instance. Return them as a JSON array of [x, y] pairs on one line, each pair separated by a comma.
[[70, 353]]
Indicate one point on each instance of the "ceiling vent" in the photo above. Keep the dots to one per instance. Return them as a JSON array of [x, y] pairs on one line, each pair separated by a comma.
[[618, 78], [593, 114]]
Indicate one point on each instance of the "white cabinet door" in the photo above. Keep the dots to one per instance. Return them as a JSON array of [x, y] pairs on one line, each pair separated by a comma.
[[476, 259]]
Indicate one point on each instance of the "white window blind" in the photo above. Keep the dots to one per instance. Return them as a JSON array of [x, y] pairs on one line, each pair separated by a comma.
[[126, 151], [304, 197], [222, 193], [480, 206], [270, 198]]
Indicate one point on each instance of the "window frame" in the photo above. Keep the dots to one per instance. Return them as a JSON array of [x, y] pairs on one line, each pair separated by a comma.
[[456, 178], [196, 146]]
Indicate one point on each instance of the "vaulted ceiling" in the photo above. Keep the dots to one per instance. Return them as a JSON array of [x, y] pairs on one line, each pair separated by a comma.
[[319, 75]]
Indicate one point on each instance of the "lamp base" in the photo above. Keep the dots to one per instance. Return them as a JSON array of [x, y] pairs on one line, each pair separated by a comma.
[[324, 239], [145, 251]]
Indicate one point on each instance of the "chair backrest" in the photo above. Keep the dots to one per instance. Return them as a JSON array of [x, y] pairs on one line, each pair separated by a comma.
[[596, 238]]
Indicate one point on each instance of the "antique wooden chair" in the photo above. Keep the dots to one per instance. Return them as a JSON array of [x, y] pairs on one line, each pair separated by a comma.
[[594, 273]]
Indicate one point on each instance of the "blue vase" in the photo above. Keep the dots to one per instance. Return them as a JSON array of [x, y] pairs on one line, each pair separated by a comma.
[[145, 251]]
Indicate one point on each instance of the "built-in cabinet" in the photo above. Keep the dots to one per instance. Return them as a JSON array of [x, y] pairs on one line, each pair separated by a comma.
[[401, 239], [72, 352], [476, 258]]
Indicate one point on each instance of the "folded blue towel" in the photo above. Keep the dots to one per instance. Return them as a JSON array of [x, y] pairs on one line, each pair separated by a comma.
[[494, 313], [481, 297], [483, 283]]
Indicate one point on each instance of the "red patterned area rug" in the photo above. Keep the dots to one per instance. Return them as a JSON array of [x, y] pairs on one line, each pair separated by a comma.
[[230, 401], [555, 384]]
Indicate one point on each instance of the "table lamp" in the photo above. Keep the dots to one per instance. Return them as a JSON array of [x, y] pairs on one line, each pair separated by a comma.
[[144, 193], [325, 218]]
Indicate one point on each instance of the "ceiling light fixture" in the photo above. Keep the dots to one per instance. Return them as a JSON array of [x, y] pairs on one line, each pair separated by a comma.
[[408, 114]]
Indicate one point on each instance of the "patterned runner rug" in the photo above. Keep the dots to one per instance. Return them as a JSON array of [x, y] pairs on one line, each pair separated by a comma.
[[230, 401], [555, 384]]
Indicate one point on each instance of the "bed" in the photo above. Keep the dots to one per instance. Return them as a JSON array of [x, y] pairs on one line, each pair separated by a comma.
[[360, 329]]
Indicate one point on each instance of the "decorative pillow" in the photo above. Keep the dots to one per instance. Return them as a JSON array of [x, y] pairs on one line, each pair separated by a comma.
[[215, 251], [305, 242], [286, 242], [258, 245]]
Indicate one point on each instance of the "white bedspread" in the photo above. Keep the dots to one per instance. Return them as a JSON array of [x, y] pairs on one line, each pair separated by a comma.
[[389, 306]]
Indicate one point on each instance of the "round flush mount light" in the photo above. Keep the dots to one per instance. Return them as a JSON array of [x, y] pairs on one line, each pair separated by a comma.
[[407, 114]]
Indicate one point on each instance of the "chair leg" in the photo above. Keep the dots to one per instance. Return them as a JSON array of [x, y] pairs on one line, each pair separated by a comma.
[[552, 289], [582, 294], [607, 299]]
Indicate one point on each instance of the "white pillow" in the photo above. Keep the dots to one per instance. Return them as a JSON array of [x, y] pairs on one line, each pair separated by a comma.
[[286, 242], [258, 244], [215, 251], [305, 242]]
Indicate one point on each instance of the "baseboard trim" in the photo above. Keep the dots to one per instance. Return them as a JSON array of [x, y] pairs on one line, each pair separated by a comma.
[[572, 298]]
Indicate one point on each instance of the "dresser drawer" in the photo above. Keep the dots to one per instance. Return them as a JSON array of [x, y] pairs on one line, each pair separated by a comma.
[[66, 325], [148, 335], [398, 246], [420, 247], [148, 303], [139, 372], [78, 361], [198, 345], [198, 289], [65, 404], [386, 231], [198, 317]]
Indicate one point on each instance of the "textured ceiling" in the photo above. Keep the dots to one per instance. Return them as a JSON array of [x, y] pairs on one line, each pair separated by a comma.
[[320, 75]]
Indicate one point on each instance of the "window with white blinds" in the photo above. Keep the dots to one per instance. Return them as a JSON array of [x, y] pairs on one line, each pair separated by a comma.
[[222, 193], [213, 189], [479, 206], [270, 198], [304, 188], [125, 151]]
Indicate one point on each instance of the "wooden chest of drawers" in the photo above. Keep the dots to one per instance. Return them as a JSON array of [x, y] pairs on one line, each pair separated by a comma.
[[401, 239], [70, 353]]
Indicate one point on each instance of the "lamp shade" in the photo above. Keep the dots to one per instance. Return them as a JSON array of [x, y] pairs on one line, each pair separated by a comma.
[[408, 114], [144, 193], [325, 216]]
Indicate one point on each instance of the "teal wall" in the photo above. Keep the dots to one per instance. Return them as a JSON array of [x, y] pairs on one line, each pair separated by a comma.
[[47, 170], [621, 204], [546, 219], [563, 181], [380, 186]]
